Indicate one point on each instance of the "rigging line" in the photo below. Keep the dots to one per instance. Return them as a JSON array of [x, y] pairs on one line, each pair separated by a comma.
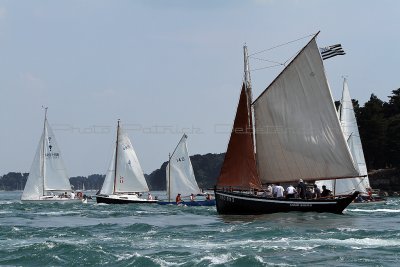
[[277, 65], [281, 45], [290, 58], [271, 61]]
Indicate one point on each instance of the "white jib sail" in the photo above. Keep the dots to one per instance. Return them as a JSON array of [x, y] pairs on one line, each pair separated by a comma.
[[181, 179], [47, 172], [130, 177], [350, 129], [108, 184], [34, 185], [298, 134]]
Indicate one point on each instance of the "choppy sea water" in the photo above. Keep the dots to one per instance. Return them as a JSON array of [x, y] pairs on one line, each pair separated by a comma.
[[72, 234]]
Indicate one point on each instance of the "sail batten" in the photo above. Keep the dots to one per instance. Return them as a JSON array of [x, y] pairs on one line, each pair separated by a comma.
[[298, 134]]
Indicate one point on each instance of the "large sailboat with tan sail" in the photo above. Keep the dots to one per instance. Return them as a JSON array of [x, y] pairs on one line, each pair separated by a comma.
[[296, 135]]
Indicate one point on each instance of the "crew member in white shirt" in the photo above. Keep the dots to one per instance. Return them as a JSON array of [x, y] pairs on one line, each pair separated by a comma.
[[290, 191], [278, 191]]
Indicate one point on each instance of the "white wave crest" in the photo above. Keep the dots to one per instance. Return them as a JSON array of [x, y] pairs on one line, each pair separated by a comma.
[[356, 242], [375, 210], [219, 259], [345, 229]]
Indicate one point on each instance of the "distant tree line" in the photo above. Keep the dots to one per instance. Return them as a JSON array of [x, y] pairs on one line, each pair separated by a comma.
[[17, 181], [379, 127]]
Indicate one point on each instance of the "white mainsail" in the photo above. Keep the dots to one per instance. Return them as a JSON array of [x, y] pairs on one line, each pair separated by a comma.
[[298, 134], [181, 179], [47, 172], [350, 130], [129, 176]]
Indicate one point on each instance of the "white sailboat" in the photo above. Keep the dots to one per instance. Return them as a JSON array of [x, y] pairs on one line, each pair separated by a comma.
[[180, 177], [124, 182], [350, 130], [48, 179]]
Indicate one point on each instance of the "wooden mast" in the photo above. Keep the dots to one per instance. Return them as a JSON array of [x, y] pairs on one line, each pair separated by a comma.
[[116, 158], [249, 94], [247, 79]]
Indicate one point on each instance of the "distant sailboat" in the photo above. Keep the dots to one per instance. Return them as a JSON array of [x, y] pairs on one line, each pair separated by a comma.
[[181, 179], [350, 130], [124, 182], [298, 136], [48, 179]]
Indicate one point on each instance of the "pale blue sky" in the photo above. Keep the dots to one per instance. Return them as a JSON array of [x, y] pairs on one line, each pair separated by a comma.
[[176, 64]]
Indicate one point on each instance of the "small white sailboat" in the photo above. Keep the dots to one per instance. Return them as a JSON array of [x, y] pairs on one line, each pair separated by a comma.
[[180, 177], [48, 179], [125, 181], [349, 127]]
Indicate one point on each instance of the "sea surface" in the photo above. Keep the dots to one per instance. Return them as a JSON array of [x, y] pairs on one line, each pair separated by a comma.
[[75, 234]]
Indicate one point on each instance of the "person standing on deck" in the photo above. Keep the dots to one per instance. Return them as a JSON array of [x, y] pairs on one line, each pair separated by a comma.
[[273, 190], [278, 191], [290, 191], [301, 189], [269, 191], [317, 192]]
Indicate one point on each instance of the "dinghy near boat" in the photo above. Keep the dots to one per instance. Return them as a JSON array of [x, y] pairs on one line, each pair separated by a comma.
[[124, 182], [181, 179], [297, 136], [48, 179]]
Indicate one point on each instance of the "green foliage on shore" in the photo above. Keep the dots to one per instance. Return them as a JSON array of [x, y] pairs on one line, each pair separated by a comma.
[[379, 126]]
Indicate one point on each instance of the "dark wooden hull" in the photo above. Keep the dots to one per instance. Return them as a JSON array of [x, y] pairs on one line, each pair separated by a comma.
[[108, 200], [241, 203]]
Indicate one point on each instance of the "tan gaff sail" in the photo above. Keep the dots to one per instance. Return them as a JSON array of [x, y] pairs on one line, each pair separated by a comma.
[[239, 168], [298, 134]]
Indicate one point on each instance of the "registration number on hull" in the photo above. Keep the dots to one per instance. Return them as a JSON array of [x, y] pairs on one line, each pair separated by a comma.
[[228, 199], [300, 205]]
